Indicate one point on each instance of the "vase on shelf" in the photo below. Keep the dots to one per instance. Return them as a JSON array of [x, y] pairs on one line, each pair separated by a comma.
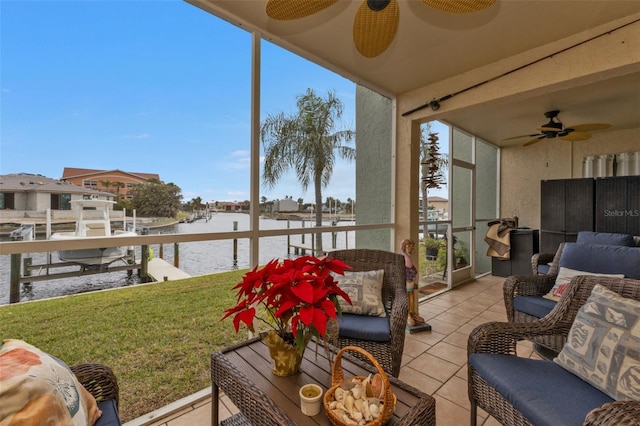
[[285, 357]]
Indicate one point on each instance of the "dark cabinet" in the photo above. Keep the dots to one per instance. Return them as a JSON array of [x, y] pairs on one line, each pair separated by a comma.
[[524, 244], [567, 207], [618, 205]]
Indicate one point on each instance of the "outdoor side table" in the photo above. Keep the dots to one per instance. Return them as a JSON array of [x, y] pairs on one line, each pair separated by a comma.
[[243, 372]]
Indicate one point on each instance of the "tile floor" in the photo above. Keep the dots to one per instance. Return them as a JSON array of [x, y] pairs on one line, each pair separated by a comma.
[[433, 361]]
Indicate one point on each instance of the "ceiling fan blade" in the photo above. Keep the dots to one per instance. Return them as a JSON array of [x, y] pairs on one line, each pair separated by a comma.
[[590, 127], [286, 10], [521, 136], [373, 31], [535, 140], [575, 136], [459, 6]]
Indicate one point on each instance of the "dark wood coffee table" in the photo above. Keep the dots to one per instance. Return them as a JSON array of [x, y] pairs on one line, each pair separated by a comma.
[[243, 372]]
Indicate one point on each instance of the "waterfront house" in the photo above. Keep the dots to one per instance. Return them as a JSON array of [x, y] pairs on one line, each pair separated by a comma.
[[24, 197], [115, 181]]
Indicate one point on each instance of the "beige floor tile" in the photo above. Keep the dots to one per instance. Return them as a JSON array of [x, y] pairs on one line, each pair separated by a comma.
[[450, 414], [420, 381], [200, 416], [457, 339], [449, 352], [414, 345], [456, 391], [428, 337], [433, 366], [442, 327], [451, 318]]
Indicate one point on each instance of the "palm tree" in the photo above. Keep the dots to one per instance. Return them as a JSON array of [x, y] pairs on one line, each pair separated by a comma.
[[106, 184], [306, 142]]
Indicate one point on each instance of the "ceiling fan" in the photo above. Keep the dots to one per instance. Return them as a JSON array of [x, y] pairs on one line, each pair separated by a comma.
[[376, 21], [555, 129]]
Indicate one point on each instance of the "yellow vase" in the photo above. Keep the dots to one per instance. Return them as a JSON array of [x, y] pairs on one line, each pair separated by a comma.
[[285, 357]]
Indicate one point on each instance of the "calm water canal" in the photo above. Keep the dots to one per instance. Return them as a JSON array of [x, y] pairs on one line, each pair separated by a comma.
[[198, 258]]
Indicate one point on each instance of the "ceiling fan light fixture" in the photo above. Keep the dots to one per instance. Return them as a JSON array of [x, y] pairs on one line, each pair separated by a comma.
[[377, 5]]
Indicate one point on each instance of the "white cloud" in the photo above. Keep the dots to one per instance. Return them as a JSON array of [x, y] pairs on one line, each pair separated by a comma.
[[140, 136]]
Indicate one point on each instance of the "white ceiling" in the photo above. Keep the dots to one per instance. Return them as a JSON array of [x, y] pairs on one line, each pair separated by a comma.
[[431, 46]]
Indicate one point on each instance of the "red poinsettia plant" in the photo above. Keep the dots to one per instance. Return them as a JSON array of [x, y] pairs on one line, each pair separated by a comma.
[[298, 296]]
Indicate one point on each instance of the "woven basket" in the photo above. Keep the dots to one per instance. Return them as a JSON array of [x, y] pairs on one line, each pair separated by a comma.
[[337, 375]]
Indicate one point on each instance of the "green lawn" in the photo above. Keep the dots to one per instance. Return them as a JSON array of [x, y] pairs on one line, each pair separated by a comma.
[[157, 338]]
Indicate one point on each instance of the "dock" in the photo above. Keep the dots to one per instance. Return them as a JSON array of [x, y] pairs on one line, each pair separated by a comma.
[[161, 270]]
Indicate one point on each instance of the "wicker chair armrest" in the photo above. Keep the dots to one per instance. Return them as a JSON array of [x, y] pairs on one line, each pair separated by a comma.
[[99, 380], [540, 259], [399, 309], [521, 285], [501, 337], [621, 413]]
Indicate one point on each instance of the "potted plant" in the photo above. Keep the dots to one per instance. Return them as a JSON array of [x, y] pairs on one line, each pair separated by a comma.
[[295, 299], [461, 256], [432, 246]]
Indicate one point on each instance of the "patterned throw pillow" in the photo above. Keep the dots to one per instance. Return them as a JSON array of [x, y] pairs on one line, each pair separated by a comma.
[[36, 388], [603, 345], [365, 290], [564, 278]]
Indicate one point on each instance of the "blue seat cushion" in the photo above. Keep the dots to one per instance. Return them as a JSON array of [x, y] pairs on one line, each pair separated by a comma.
[[543, 269], [364, 327], [605, 238], [536, 306], [544, 392], [602, 259], [109, 414]]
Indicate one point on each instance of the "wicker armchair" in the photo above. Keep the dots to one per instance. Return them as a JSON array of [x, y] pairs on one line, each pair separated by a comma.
[[546, 258], [394, 297], [549, 345], [501, 338], [100, 381]]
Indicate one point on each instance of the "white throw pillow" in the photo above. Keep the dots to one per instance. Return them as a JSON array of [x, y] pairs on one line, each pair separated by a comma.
[[365, 290], [564, 278]]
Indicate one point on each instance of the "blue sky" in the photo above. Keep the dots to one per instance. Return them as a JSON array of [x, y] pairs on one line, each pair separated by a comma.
[[145, 86]]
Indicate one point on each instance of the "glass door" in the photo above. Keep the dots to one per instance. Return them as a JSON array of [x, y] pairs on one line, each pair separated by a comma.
[[461, 256]]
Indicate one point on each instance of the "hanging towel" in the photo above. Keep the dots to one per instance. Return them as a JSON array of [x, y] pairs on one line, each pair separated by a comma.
[[498, 237]]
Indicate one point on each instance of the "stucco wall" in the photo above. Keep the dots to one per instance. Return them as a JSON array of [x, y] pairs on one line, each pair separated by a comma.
[[556, 159]]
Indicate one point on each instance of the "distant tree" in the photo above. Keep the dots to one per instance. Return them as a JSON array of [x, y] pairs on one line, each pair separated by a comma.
[[156, 199], [106, 184], [118, 186], [300, 203], [307, 143]]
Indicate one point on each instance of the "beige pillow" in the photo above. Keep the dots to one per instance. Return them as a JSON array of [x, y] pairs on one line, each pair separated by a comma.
[[602, 344], [36, 388], [365, 290], [564, 278]]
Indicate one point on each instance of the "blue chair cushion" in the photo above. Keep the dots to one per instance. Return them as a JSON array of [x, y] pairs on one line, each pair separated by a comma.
[[536, 306], [364, 327], [605, 238], [543, 269], [544, 392], [109, 414], [602, 259]]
